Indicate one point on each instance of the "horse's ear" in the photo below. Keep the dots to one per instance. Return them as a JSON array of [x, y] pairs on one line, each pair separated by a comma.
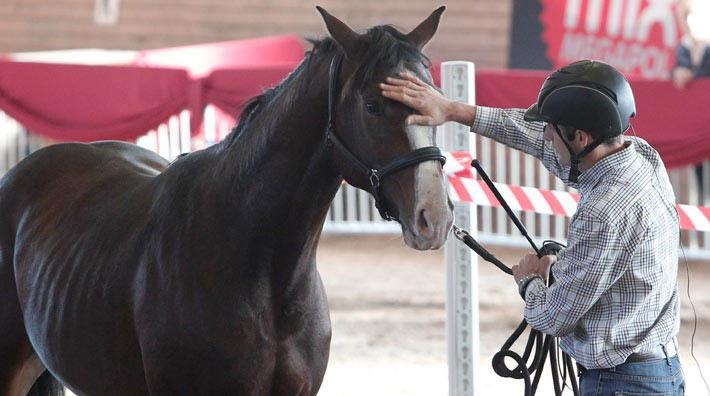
[[425, 31], [343, 35]]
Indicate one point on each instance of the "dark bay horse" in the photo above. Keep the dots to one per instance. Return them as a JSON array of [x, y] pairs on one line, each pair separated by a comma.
[[121, 274]]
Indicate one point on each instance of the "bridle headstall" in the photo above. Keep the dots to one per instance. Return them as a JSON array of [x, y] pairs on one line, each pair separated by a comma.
[[374, 174]]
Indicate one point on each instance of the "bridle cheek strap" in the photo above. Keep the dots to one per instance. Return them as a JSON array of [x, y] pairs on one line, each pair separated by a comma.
[[374, 175]]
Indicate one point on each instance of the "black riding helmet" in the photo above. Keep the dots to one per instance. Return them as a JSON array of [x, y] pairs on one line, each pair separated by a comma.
[[588, 95]]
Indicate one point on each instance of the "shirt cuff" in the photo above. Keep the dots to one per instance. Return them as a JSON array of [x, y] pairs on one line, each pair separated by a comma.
[[525, 282], [534, 286]]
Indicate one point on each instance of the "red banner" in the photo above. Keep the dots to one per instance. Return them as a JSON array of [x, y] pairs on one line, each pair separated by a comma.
[[674, 122], [638, 37]]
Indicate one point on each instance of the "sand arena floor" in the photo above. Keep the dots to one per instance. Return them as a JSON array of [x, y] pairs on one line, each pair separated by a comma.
[[388, 314]]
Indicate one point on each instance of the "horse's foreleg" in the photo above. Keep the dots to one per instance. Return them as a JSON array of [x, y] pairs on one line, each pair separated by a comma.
[[19, 365], [24, 376]]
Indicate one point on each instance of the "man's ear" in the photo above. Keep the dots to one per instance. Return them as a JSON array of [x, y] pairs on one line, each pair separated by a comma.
[[584, 138]]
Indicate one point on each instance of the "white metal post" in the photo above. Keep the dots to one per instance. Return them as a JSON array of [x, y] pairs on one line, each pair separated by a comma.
[[462, 327]]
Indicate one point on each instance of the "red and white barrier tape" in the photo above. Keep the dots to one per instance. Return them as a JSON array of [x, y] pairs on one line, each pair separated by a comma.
[[465, 188]]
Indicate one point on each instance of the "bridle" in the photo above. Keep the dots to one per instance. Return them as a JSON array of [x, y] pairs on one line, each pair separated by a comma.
[[374, 175]]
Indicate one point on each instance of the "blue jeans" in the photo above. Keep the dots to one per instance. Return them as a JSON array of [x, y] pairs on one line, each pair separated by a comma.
[[662, 377]]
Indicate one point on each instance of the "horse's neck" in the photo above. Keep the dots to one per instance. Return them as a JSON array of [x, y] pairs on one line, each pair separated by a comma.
[[285, 177]]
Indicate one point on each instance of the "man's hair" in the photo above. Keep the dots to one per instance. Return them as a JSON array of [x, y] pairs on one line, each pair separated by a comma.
[[569, 133]]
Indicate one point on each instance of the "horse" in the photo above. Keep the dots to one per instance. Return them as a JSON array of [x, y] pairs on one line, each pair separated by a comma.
[[124, 274]]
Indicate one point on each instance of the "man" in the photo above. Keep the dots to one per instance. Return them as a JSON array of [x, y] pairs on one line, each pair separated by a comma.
[[614, 302], [692, 57]]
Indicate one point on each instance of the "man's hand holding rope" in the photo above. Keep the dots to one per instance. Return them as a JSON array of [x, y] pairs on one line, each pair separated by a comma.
[[531, 267]]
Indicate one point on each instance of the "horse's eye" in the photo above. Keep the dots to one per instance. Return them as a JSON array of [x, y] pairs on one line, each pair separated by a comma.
[[373, 108]]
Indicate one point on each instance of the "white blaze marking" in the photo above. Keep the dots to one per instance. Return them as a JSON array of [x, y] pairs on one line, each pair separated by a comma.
[[429, 186], [423, 136]]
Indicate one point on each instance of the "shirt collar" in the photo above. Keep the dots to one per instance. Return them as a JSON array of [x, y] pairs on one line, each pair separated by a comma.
[[604, 167]]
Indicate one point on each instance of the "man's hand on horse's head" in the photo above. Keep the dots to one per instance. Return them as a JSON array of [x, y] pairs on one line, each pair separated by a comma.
[[432, 107], [409, 90]]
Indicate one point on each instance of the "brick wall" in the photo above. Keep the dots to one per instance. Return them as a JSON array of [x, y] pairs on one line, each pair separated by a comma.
[[474, 30]]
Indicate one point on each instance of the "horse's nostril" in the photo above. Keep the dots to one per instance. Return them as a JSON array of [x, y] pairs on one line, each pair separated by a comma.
[[422, 222]]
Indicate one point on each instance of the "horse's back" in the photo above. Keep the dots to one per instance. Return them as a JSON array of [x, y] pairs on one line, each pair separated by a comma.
[[56, 175], [141, 159], [68, 160]]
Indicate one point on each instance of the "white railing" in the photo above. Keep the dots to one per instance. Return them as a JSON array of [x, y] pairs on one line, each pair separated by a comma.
[[171, 138], [353, 211]]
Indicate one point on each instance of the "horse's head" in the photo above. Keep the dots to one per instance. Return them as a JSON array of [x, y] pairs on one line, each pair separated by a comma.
[[375, 150]]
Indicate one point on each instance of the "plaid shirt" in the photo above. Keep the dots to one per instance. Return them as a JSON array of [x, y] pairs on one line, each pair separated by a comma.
[[615, 289]]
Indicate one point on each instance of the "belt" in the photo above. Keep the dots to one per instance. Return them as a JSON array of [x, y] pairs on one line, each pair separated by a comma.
[[659, 352], [668, 350]]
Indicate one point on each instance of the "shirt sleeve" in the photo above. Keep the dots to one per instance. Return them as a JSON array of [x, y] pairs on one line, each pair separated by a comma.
[[508, 127], [586, 269]]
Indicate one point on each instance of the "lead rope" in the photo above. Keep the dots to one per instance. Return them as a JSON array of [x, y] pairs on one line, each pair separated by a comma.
[[544, 346]]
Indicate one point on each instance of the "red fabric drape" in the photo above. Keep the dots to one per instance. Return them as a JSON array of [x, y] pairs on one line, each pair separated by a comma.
[[229, 73], [230, 89], [86, 103], [199, 60], [675, 122]]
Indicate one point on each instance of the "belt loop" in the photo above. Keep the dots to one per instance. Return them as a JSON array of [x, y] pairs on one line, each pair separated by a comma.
[[580, 370], [665, 352]]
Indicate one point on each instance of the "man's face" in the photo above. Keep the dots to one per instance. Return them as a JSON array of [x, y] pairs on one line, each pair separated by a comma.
[[551, 135]]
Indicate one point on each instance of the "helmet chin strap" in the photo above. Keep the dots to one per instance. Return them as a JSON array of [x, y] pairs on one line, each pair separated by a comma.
[[575, 158]]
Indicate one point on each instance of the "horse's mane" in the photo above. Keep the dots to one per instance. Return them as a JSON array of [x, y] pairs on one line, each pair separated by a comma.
[[386, 48], [256, 104]]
